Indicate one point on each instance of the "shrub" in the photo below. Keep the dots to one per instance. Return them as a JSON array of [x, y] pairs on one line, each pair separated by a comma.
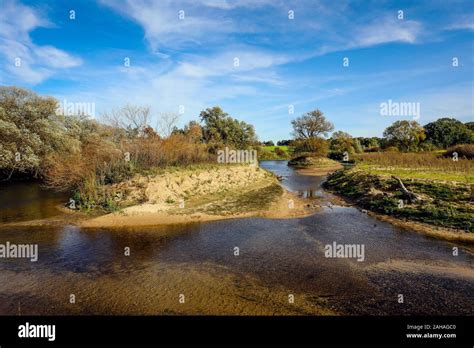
[[311, 147], [391, 149], [279, 152], [372, 149], [463, 151]]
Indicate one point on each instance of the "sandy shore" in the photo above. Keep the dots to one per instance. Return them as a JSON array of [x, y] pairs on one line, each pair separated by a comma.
[[278, 210], [319, 171], [208, 195]]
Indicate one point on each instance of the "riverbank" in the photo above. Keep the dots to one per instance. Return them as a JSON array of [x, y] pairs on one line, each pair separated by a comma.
[[438, 209], [203, 194], [317, 166]]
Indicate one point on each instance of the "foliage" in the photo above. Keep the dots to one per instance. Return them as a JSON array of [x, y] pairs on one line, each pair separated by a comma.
[[470, 125], [311, 147], [284, 142], [445, 132], [311, 125], [221, 129], [29, 130], [463, 151], [274, 152], [423, 165], [405, 135], [442, 204]]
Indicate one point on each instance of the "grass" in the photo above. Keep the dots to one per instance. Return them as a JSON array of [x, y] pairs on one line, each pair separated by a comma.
[[419, 173], [443, 185], [271, 152], [254, 200], [232, 202], [424, 165], [274, 147]]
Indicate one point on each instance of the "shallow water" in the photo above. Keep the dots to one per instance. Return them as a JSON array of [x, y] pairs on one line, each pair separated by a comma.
[[278, 260]]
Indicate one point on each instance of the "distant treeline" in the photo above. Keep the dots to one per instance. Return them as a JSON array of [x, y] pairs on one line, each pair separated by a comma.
[[403, 135]]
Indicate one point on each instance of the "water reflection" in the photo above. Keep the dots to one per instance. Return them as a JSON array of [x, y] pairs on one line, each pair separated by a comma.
[[276, 257], [28, 201]]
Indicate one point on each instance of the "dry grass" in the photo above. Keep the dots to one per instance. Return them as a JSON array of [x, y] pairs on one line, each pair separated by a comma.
[[99, 163], [422, 165]]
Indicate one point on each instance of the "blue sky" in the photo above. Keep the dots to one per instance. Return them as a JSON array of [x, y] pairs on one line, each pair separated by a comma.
[[282, 62]]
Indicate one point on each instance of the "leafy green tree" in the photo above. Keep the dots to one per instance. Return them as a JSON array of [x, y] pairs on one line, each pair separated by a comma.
[[405, 135], [29, 129], [445, 132], [313, 124], [221, 129], [470, 125], [341, 142], [284, 142], [367, 143]]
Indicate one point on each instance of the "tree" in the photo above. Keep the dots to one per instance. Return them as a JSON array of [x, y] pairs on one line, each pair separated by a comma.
[[445, 132], [29, 129], [405, 135], [130, 118], [368, 143], [311, 125], [341, 142], [284, 142], [193, 131], [312, 147], [221, 129], [470, 125], [167, 123]]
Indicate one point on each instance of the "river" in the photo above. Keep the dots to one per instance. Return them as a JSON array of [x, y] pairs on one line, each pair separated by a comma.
[[280, 267]]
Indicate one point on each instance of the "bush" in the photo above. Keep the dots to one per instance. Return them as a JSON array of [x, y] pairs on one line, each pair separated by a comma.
[[372, 149], [311, 147], [279, 152], [463, 151], [428, 146], [264, 154], [391, 149]]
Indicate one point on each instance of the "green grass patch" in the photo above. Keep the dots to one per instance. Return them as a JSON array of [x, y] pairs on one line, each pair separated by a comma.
[[442, 203], [275, 152], [419, 173]]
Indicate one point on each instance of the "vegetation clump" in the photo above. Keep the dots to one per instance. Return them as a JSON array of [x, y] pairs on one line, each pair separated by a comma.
[[441, 204]]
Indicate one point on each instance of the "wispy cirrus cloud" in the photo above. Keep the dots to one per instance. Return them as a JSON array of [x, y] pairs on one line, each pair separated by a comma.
[[386, 30], [24, 60]]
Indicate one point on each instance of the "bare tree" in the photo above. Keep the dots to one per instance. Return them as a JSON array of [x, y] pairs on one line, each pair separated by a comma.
[[129, 117], [167, 121]]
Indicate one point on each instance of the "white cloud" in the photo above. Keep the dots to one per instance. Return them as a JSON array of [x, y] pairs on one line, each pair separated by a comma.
[[24, 60], [466, 25], [196, 82], [233, 61], [231, 4], [162, 25], [56, 58], [387, 30]]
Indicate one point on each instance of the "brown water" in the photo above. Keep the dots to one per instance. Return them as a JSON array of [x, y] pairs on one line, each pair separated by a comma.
[[278, 260]]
